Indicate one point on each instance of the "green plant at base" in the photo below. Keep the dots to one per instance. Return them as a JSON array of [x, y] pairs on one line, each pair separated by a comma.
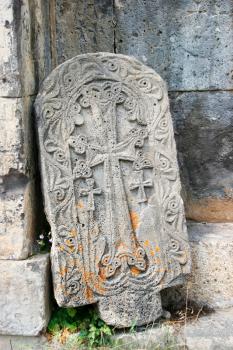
[[91, 330], [44, 242]]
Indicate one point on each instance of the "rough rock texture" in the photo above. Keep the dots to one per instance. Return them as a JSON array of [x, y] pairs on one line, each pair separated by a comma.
[[9, 77], [210, 332], [17, 187], [17, 184], [210, 283], [190, 44], [204, 134], [15, 39], [8, 342], [25, 57], [24, 295], [111, 186], [12, 136], [81, 27], [17, 218], [24, 61]]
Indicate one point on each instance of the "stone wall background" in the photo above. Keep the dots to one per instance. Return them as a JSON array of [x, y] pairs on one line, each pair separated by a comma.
[[24, 62], [190, 44]]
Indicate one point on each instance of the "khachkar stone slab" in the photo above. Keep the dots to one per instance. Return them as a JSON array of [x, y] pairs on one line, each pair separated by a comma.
[[24, 295], [111, 187]]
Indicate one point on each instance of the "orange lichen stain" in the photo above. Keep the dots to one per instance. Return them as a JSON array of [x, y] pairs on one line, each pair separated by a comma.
[[73, 232], [91, 279], [63, 271], [89, 294], [135, 271], [157, 261], [157, 249], [152, 253], [99, 287], [146, 243], [80, 248], [80, 205], [102, 275], [134, 217]]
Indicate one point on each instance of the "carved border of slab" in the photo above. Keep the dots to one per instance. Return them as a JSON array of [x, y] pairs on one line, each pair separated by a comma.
[[74, 285]]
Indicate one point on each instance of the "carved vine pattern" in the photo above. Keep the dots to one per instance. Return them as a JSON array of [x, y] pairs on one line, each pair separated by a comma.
[[71, 89]]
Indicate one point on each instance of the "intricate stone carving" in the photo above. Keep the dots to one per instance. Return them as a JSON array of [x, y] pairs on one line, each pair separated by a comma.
[[90, 191], [140, 185], [111, 187]]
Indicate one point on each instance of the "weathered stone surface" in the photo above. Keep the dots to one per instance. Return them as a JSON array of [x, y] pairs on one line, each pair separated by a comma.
[[81, 27], [39, 13], [24, 61], [111, 186], [9, 77], [189, 43], [13, 135], [25, 57], [24, 295], [17, 217], [210, 332], [204, 135], [210, 283], [16, 75], [17, 186], [15, 342]]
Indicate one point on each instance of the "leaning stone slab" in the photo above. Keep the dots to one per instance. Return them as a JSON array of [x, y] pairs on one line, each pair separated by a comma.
[[111, 187], [210, 283], [24, 295]]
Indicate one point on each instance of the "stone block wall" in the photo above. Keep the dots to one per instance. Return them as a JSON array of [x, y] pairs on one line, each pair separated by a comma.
[[188, 42], [24, 61]]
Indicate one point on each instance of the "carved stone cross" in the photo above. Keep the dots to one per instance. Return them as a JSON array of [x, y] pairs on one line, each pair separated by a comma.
[[140, 185], [90, 191], [103, 118]]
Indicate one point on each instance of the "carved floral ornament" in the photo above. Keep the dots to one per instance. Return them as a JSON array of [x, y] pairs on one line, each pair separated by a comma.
[[111, 185]]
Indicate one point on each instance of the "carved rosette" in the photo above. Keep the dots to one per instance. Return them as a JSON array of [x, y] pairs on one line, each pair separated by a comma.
[[110, 182]]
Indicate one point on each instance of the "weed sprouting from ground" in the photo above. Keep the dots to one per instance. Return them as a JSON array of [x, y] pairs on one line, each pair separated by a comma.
[[80, 327]]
